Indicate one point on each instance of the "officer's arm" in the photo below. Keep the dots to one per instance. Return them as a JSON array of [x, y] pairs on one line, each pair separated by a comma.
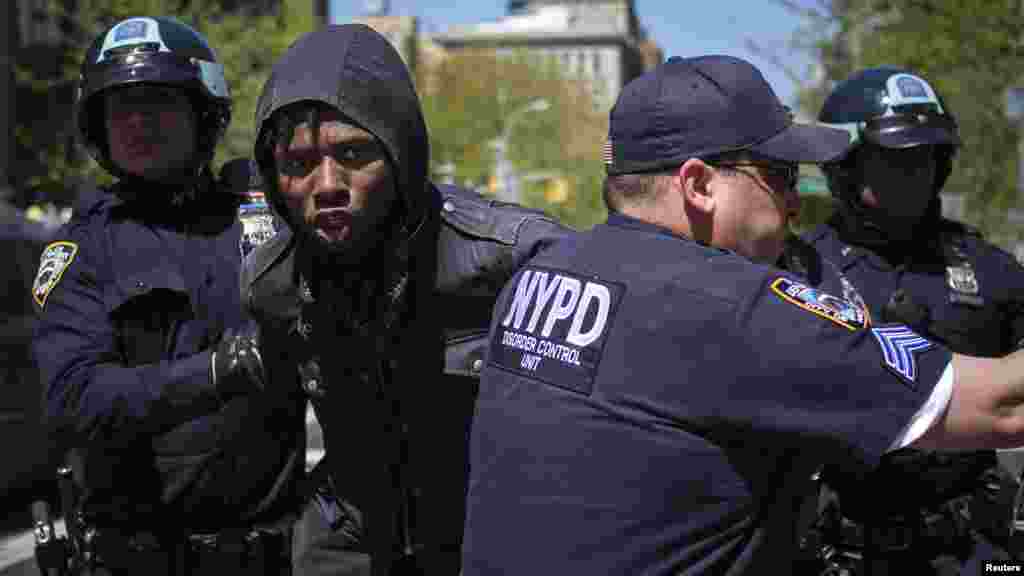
[[1016, 307], [986, 409], [89, 390]]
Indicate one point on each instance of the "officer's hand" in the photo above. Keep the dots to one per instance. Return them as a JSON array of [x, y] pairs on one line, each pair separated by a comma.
[[237, 365]]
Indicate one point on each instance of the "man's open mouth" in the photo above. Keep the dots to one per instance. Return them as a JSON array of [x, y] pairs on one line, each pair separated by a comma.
[[333, 224]]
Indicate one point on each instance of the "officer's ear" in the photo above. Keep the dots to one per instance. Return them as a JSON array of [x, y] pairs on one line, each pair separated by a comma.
[[694, 178]]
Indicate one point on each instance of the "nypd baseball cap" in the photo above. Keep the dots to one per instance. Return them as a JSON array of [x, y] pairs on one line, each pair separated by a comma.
[[700, 107]]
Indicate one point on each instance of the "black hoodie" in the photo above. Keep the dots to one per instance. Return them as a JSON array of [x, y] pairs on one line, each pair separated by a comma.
[[395, 393], [356, 70]]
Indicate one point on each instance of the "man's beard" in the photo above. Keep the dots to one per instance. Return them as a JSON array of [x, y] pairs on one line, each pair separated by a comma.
[[363, 247]]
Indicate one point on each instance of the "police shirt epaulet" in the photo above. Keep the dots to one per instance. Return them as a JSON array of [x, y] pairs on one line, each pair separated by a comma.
[[92, 201]]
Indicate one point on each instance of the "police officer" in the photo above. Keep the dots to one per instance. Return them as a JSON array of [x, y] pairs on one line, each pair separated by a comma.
[[924, 513], [654, 399], [242, 177], [152, 376], [375, 301]]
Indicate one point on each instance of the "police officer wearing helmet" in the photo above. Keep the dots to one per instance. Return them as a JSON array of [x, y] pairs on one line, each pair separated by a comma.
[[184, 458], [922, 513]]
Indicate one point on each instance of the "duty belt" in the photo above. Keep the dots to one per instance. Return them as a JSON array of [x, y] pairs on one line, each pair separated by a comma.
[[941, 527], [258, 552]]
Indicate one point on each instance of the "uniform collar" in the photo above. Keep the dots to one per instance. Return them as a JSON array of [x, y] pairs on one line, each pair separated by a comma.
[[830, 239], [926, 242], [620, 220], [845, 255]]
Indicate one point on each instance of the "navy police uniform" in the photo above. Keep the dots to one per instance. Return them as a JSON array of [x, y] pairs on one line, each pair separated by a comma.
[[957, 288], [650, 405], [131, 299], [929, 508], [183, 465], [919, 512]]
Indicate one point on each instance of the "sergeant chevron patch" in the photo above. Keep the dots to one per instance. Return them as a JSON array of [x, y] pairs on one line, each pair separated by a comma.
[[900, 345]]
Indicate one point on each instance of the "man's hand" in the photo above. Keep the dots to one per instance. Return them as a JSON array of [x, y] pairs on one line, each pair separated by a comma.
[[236, 366]]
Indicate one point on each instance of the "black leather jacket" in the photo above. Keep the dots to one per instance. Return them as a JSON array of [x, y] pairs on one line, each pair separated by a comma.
[[480, 243]]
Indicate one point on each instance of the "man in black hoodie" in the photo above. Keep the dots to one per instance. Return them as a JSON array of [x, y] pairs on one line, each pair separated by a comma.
[[375, 301]]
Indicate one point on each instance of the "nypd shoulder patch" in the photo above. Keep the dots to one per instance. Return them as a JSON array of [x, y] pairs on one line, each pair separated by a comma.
[[900, 346], [842, 312], [56, 258]]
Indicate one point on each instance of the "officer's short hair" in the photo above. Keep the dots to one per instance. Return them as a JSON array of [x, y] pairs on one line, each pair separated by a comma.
[[621, 190]]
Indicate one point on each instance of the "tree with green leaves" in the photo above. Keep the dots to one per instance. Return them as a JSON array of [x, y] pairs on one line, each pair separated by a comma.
[[247, 38], [470, 97], [972, 51]]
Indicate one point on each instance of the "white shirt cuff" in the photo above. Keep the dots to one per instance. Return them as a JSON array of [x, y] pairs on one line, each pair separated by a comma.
[[932, 409]]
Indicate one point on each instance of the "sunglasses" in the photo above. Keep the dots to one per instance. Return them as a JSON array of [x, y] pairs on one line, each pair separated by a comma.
[[785, 172]]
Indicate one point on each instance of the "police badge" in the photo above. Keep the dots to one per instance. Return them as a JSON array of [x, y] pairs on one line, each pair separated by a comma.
[[258, 222], [963, 285]]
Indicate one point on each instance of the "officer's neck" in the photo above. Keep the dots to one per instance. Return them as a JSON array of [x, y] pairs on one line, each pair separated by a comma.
[[663, 215], [894, 242], [165, 194]]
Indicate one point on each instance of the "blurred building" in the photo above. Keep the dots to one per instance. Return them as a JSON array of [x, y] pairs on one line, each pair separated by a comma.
[[599, 41]]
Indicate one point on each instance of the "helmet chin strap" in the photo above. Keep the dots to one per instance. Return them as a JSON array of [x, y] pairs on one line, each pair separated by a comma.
[[162, 192]]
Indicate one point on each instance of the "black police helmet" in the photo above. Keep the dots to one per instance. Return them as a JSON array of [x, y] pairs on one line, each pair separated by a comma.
[[155, 50], [892, 108]]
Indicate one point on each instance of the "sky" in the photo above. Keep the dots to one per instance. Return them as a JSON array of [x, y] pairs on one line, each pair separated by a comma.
[[679, 28]]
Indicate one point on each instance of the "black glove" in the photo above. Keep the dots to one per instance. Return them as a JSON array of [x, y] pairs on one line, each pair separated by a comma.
[[236, 367]]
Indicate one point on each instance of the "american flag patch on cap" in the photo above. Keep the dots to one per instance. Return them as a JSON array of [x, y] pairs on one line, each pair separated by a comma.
[[899, 345], [608, 152]]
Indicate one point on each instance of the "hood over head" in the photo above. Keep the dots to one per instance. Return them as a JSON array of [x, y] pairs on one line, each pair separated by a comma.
[[354, 69]]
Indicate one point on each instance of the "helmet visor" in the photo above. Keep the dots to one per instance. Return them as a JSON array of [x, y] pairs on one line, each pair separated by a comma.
[[907, 130], [157, 68]]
